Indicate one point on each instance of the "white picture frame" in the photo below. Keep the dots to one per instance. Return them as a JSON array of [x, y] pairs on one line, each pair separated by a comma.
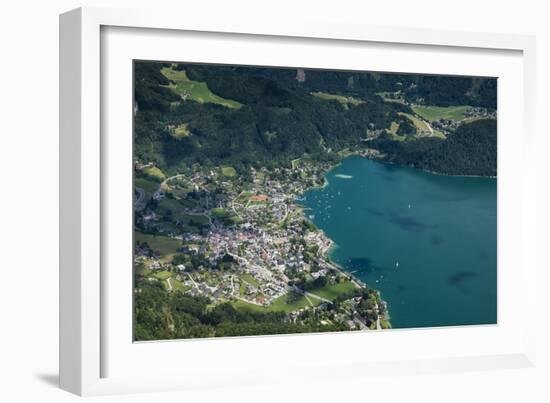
[[90, 358]]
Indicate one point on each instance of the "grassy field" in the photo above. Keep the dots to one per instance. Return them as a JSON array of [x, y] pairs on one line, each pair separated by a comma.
[[346, 101], [196, 91], [174, 75], [431, 113], [177, 213], [162, 244], [242, 289], [220, 212], [418, 123], [249, 279], [243, 197], [182, 131], [229, 171], [422, 126], [394, 126], [280, 304], [333, 291], [162, 275], [154, 173], [245, 306], [260, 175], [176, 285]]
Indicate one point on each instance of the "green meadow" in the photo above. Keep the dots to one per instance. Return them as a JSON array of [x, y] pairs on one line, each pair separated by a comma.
[[346, 101], [284, 304], [229, 171], [392, 132], [154, 172], [195, 90], [333, 291], [162, 244], [281, 304], [162, 275], [182, 131], [431, 113], [422, 126]]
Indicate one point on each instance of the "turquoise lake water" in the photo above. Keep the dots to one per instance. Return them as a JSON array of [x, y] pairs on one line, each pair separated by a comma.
[[427, 242]]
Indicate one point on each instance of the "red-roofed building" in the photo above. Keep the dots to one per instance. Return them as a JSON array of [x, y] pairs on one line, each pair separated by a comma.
[[258, 197]]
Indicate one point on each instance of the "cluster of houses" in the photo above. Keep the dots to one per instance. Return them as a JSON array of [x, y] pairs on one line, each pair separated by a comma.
[[267, 242], [449, 125]]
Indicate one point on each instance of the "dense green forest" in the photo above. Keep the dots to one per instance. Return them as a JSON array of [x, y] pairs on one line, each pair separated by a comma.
[[279, 119], [274, 125], [434, 89], [471, 150], [162, 315]]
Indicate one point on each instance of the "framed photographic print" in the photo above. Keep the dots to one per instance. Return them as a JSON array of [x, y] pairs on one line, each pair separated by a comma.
[[293, 200], [248, 202]]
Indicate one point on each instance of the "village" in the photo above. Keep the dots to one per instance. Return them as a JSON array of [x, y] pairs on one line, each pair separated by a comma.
[[245, 239]]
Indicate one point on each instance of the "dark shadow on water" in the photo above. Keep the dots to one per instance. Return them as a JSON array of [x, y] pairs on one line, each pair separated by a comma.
[[394, 216], [410, 224], [436, 240], [390, 167], [449, 198], [364, 265], [400, 289], [461, 277], [389, 177], [374, 211], [49, 379], [360, 264]]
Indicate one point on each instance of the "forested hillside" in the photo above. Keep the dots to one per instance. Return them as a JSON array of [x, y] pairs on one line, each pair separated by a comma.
[[267, 117], [160, 315], [435, 90], [471, 150]]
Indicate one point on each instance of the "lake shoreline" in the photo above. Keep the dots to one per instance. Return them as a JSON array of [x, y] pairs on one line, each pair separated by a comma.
[[427, 170], [374, 155], [385, 316], [375, 271]]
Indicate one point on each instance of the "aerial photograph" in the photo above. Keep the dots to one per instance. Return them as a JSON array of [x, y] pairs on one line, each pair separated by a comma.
[[283, 200]]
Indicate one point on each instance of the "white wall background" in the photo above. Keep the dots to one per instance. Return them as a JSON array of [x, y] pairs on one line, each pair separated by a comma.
[[29, 197]]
